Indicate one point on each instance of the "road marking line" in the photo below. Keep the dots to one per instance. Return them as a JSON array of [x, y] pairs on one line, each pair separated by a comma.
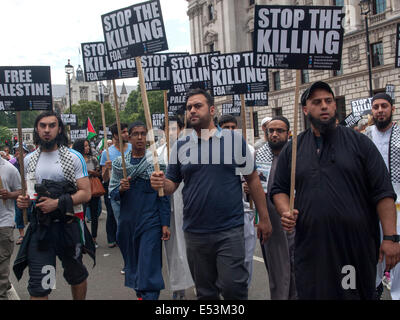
[[258, 259]]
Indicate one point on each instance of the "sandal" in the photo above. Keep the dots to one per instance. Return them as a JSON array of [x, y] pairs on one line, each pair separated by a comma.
[[19, 241]]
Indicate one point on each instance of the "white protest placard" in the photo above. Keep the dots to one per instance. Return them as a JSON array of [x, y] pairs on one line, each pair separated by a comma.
[[97, 66], [25, 88], [69, 119], [257, 99], [361, 107], [157, 120], [351, 120], [78, 134], [298, 37], [192, 71], [134, 31], [156, 70], [397, 55], [234, 73], [390, 91]]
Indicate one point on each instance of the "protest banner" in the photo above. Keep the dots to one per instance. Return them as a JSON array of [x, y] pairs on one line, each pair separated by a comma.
[[397, 54], [69, 119], [235, 74], [351, 120], [298, 37], [101, 133], [232, 108], [176, 101], [25, 88], [97, 67], [78, 134], [390, 91], [157, 120], [134, 31], [361, 107], [258, 99]]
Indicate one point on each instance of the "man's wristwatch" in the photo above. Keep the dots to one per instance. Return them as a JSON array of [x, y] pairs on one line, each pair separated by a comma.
[[394, 238]]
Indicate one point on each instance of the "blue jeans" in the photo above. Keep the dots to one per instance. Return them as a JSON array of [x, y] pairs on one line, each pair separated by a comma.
[[19, 218]]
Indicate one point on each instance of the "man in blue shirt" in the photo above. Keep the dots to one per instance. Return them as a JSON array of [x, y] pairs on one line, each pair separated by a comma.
[[209, 161]]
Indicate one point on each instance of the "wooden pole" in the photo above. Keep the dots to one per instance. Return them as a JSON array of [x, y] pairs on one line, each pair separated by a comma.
[[103, 119], [243, 111], [1, 187], [294, 141], [252, 139], [166, 120], [21, 163], [148, 118], [121, 143]]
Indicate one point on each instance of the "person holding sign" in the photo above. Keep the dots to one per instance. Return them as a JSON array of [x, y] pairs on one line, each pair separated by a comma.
[[144, 217], [342, 189], [386, 136], [212, 198], [58, 185]]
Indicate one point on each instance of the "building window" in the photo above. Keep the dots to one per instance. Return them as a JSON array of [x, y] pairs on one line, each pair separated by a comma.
[[251, 2], [377, 54], [83, 93], [210, 12], [255, 124], [277, 111], [378, 6], [339, 3], [340, 108], [277, 80], [305, 77]]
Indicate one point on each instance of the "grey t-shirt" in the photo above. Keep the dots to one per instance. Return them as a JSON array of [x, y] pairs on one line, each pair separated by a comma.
[[11, 182]]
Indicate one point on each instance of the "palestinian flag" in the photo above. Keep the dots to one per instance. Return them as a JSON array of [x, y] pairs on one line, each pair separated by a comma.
[[90, 130]]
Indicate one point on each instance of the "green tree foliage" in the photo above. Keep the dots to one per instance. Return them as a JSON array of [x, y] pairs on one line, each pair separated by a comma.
[[92, 109], [9, 119], [5, 135]]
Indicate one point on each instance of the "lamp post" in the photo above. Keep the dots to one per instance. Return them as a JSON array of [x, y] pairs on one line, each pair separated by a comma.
[[69, 69], [365, 6]]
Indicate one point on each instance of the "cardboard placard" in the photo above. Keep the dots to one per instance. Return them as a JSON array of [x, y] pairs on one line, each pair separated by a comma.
[[298, 37], [176, 102], [134, 31], [25, 88], [351, 120], [361, 107], [97, 66], [69, 119], [78, 134], [258, 99], [157, 120], [100, 135], [232, 108]]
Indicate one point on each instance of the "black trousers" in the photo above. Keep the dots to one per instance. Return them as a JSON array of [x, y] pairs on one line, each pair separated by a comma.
[[93, 204]]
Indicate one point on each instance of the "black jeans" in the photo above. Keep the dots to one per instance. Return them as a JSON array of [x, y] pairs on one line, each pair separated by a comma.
[[111, 222], [93, 204]]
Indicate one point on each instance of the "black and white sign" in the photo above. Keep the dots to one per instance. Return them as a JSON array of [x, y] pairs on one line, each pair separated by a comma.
[[101, 133], [134, 31], [97, 66], [192, 71], [25, 88], [361, 107], [78, 134], [156, 70], [69, 119], [157, 120], [390, 91], [259, 99], [235, 74], [231, 108], [397, 55], [351, 120], [176, 101], [298, 37]]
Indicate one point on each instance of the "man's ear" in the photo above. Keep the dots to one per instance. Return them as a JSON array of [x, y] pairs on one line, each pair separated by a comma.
[[212, 110], [305, 110]]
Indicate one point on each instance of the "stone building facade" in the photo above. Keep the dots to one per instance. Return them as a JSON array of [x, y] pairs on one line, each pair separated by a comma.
[[227, 26]]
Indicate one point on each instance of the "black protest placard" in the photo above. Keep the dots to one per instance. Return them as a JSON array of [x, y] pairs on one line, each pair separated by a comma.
[[234, 73], [390, 91], [192, 71], [78, 134], [25, 88], [69, 119], [351, 120], [298, 37], [258, 99], [176, 102], [134, 31], [232, 108], [397, 55], [156, 70], [101, 133], [157, 120], [97, 66], [361, 107]]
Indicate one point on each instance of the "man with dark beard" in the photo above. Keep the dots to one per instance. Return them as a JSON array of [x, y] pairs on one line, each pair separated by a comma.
[[278, 250], [342, 189], [209, 161], [386, 136], [58, 177]]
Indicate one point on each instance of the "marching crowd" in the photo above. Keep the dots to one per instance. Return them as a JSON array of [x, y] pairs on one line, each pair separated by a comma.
[[213, 196]]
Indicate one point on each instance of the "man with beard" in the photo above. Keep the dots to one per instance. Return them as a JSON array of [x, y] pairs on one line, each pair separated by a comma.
[[57, 222], [209, 161], [278, 251], [342, 190], [386, 136]]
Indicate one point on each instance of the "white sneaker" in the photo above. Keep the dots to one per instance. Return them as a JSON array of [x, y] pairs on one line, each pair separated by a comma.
[[122, 272], [12, 294]]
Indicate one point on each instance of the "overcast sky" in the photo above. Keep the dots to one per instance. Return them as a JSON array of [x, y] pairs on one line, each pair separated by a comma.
[[49, 32]]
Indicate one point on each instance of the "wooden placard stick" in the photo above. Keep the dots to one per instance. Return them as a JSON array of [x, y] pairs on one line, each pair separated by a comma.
[[294, 142], [103, 119], [243, 111], [1, 187], [166, 121], [121, 143], [21, 163], [148, 118], [252, 139]]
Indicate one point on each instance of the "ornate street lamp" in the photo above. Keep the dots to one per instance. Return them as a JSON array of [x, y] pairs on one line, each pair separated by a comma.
[[69, 69], [365, 6]]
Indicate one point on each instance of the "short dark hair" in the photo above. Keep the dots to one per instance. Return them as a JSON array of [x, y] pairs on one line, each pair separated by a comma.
[[193, 92], [136, 124], [61, 139], [283, 119], [79, 145], [225, 118], [178, 120], [114, 128]]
